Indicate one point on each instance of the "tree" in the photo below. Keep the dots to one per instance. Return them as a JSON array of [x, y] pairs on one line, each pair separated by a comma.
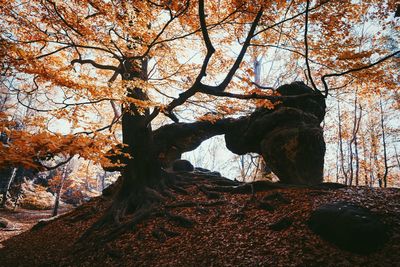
[[157, 59]]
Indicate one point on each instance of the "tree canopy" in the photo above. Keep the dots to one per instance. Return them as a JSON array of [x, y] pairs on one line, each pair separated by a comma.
[[72, 61]]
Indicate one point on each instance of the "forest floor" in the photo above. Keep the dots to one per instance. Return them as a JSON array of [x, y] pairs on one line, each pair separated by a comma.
[[22, 220], [231, 230]]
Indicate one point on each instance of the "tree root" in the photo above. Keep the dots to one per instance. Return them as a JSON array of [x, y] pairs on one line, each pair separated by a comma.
[[188, 204], [180, 220], [265, 206], [209, 194], [84, 215], [148, 202], [248, 188], [328, 186], [179, 190], [276, 197]]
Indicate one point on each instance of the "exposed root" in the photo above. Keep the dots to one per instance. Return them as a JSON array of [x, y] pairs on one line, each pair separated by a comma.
[[328, 186], [179, 190], [140, 216], [180, 220], [276, 197], [265, 206], [248, 188], [209, 194], [131, 208], [188, 204], [141, 205], [83, 215]]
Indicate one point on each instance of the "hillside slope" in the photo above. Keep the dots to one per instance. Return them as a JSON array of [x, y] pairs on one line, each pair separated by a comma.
[[224, 229]]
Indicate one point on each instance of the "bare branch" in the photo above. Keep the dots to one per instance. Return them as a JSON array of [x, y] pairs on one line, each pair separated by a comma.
[[94, 64], [53, 52], [291, 18], [172, 18], [354, 70], [239, 59], [63, 19], [58, 165], [306, 47], [273, 98], [207, 41], [198, 86]]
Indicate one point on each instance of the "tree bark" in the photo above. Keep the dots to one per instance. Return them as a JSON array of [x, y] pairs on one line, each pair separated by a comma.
[[59, 190], [385, 159], [341, 146], [12, 176]]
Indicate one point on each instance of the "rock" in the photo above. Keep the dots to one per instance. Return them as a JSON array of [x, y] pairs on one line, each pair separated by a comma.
[[182, 165], [312, 102], [349, 226], [36, 197], [289, 138], [201, 170], [295, 153], [4, 223]]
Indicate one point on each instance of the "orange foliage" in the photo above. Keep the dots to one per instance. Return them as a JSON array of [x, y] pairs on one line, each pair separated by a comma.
[[61, 57]]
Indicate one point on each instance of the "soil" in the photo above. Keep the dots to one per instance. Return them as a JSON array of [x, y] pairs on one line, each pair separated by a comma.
[[267, 228]]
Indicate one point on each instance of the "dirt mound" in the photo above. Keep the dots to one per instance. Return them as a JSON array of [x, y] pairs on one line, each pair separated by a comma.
[[230, 229]]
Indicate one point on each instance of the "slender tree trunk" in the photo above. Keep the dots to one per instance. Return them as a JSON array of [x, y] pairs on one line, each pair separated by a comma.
[[365, 159], [341, 146], [384, 178], [4, 200], [59, 190], [351, 156], [354, 142], [356, 154], [397, 157]]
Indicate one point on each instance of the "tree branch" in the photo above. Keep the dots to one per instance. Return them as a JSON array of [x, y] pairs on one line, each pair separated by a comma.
[[58, 165], [306, 47], [94, 64], [62, 18], [239, 59], [53, 52], [291, 18], [354, 70], [172, 18], [207, 41]]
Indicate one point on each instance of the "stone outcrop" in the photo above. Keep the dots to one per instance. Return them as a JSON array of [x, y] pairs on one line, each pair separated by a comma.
[[35, 197], [289, 137], [349, 226]]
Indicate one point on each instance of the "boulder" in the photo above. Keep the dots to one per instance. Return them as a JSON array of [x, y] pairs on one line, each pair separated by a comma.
[[349, 226], [36, 197], [182, 165], [295, 153], [289, 137]]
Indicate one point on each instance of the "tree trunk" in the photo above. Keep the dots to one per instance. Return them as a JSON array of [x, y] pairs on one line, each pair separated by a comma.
[[7, 187], [341, 146], [142, 172], [59, 190], [384, 144]]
